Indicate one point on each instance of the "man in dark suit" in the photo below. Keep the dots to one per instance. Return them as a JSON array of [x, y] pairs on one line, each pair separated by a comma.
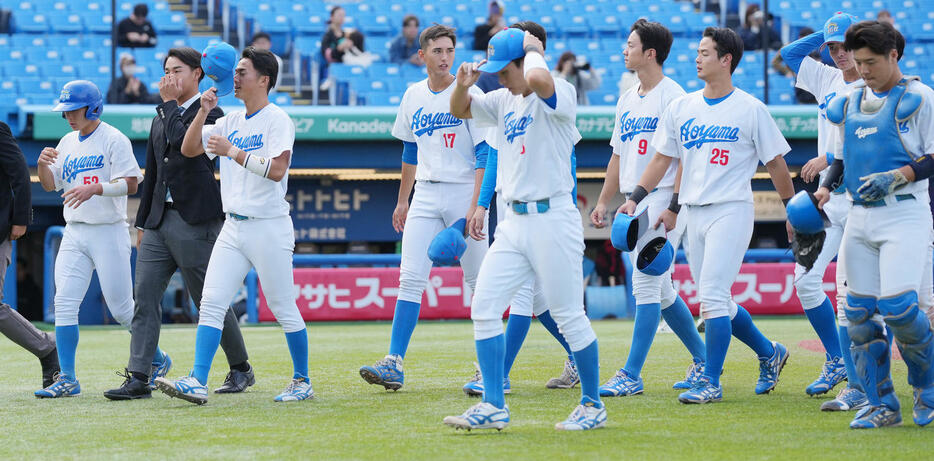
[[15, 215], [179, 218]]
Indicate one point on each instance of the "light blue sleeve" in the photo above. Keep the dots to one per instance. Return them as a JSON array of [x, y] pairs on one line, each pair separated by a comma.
[[574, 173], [481, 150], [795, 52], [409, 153], [489, 179]]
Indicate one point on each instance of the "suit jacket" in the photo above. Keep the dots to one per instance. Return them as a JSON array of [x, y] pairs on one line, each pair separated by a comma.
[[15, 194], [195, 192]]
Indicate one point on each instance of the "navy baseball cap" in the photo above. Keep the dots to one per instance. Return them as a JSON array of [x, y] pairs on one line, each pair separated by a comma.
[[504, 47], [835, 27], [218, 62]]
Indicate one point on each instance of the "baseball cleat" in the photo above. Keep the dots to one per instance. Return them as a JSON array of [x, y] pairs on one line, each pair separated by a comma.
[[160, 370], [474, 387], [703, 391], [386, 372], [621, 385], [695, 371], [833, 373], [480, 416], [298, 389], [588, 415], [770, 368], [849, 398], [924, 406], [187, 388], [568, 378], [63, 386], [876, 417]]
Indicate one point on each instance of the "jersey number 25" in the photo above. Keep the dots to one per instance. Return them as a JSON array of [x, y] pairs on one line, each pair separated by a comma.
[[719, 156]]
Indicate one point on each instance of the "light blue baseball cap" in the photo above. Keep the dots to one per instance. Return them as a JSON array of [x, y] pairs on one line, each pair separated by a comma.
[[218, 62], [835, 27], [504, 47]]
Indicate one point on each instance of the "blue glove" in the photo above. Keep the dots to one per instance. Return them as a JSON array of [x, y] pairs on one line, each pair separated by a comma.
[[877, 185]]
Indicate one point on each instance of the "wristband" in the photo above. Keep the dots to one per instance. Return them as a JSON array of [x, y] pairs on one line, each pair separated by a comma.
[[785, 201], [674, 206], [115, 188], [533, 60], [638, 194], [257, 165], [232, 152]]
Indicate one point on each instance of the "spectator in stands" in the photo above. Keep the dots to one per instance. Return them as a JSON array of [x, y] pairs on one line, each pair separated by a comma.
[[335, 41], [494, 23], [262, 41], [128, 89], [885, 16], [404, 48], [576, 70], [136, 31], [626, 81], [751, 32], [803, 97]]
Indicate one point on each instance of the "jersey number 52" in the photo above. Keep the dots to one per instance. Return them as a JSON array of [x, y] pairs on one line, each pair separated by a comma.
[[719, 156], [90, 180]]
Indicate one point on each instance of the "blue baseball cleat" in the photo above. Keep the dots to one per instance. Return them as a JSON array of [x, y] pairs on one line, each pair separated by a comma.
[[703, 391], [695, 371], [833, 373], [621, 385], [849, 398], [770, 368], [298, 389], [924, 406], [187, 388], [876, 417], [160, 370], [588, 415], [480, 416], [63, 386], [386, 372], [474, 387]]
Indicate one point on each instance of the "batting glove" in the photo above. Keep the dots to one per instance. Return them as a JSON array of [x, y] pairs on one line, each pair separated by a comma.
[[878, 185]]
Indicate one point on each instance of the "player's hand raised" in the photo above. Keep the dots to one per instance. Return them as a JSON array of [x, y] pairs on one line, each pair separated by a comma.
[[532, 41], [399, 215], [219, 145], [47, 157], [209, 100], [468, 73], [813, 167], [476, 223], [668, 218], [80, 194], [170, 88], [628, 208], [598, 216]]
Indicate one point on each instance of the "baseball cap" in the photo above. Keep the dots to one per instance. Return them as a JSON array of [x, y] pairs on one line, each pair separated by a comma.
[[835, 27], [218, 62], [505, 46]]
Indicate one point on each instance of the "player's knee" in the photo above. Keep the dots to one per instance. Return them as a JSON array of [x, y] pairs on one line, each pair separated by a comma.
[[486, 328], [810, 290], [411, 289], [716, 310], [859, 308], [575, 326], [212, 315], [909, 324]]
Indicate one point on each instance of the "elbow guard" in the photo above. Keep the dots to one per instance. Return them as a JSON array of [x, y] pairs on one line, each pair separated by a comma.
[[834, 175]]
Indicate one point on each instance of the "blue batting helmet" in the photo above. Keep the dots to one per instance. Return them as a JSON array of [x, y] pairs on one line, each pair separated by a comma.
[[449, 245], [81, 93], [804, 215], [627, 230]]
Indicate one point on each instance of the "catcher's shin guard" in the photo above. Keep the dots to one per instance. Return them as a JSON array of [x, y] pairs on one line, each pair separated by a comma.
[[871, 351], [912, 332]]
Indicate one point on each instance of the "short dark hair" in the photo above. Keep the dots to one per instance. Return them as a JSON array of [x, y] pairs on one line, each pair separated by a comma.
[[435, 32], [264, 62], [879, 37], [260, 35], [654, 36], [140, 10], [728, 43], [409, 18], [188, 56], [533, 28]]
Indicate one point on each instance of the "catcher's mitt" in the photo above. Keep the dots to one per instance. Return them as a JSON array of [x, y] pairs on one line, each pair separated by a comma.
[[807, 247]]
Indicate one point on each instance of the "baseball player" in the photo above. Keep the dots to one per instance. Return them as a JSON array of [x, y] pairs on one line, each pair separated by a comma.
[[444, 157], [95, 166], [541, 235], [720, 134], [637, 114], [255, 147], [887, 136], [825, 82]]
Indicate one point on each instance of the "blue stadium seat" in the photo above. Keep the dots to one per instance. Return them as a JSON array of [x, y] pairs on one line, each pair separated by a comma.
[[344, 72], [97, 23], [32, 23], [66, 24], [282, 99], [312, 25], [174, 23]]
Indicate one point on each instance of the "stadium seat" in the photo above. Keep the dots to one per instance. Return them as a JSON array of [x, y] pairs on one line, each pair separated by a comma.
[[32, 23], [313, 25], [66, 24]]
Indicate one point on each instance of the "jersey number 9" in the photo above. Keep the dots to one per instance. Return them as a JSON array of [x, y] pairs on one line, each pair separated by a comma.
[[643, 146]]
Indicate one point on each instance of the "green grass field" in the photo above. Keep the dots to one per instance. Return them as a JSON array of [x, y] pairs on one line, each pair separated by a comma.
[[350, 419]]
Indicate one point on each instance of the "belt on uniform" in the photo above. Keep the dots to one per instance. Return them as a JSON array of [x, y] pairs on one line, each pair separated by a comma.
[[878, 203], [238, 217], [170, 206], [538, 206], [429, 181]]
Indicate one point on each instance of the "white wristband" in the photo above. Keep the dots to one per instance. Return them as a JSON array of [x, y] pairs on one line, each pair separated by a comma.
[[114, 188], [258, 165], [533, 60]]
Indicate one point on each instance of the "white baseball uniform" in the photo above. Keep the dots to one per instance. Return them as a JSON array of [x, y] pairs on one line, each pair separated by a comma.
[[636, 120], [445, 178], [541, 235], [258, 231], [96, 235], [720, 144]]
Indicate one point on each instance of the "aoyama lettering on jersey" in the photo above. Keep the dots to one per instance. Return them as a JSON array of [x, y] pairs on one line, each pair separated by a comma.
[[445, 142], [534, 140], [720, 145], [267, 133], [636, 121], [824, 82], [103, 156]]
